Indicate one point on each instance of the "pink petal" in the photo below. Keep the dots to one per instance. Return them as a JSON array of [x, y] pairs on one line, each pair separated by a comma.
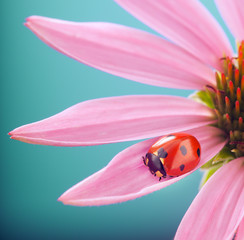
[[232, 13], [126, 177], [218, 209], [187, 23], [116, 119], [240, 231], [124, 51]]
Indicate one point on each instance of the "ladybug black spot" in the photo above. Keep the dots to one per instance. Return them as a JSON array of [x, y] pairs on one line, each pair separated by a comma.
[[198, 152], [182, 166], [162, 153], [183, 150]]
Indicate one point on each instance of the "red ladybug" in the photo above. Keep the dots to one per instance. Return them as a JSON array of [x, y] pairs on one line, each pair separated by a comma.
[[173, 155]]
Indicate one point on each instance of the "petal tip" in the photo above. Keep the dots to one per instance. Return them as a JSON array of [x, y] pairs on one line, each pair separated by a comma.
[[30, 20], [26, 24], [64, 199], [60, 199], [21, 139], [11, 134], [14, 137]]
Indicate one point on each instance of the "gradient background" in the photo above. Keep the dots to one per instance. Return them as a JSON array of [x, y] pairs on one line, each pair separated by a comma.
[[37, 82]]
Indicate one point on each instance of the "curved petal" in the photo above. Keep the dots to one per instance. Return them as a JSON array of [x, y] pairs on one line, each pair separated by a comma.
[[218, 209], [232, 13], [116, 119], [187, 23], [126, 177], [240, 231], [124, 51]]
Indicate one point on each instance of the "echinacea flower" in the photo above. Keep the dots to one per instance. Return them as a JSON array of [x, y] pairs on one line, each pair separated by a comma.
[[197, 56]]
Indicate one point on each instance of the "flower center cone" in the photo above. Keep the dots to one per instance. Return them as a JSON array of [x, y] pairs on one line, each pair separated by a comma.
[[228, 98]]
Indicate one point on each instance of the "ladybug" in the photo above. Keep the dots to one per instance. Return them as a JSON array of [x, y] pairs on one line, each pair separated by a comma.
[[173, 155]]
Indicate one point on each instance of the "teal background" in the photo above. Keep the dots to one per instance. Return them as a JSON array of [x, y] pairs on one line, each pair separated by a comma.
[[37, 82]]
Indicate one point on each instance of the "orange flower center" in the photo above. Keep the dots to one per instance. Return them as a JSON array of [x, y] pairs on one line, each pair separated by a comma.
[[228, 99]]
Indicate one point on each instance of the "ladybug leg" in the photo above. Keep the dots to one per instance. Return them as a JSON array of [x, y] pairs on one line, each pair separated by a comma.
[[160, 179], [163, 172], [144, 160]]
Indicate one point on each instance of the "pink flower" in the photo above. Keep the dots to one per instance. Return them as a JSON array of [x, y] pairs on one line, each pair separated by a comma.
[[197, 49]]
